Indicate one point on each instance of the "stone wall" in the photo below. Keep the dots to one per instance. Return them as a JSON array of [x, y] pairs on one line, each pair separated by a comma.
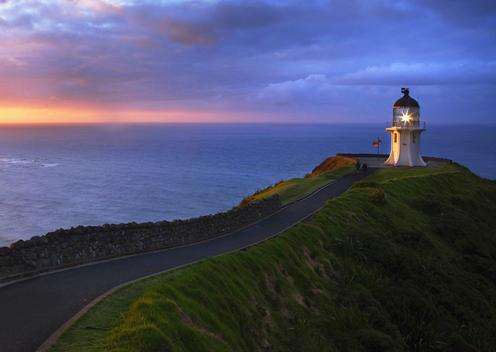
[[85, 244]]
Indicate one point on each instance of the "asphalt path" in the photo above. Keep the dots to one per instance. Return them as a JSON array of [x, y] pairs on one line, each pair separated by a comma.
[[31, 310]]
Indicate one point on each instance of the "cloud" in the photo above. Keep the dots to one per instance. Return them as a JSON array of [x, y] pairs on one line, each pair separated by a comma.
[[321, 89], [310, 88], [424, 74], [473, 12], [254, 14], [240, 55], [188, 33]]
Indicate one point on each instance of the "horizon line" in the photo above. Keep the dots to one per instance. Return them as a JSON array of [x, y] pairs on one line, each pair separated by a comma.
[[76, 123]]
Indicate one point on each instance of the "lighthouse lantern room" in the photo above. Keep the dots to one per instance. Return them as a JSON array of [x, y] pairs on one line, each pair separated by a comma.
[[405, 132]]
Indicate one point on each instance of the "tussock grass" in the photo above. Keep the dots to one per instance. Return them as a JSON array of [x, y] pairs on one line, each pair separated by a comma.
[[403, 261]]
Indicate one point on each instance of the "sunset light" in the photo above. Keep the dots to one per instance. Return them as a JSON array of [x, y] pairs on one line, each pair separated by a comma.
[[68, 115]]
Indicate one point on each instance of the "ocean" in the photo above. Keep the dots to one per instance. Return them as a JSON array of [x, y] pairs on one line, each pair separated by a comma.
[[61, 176]]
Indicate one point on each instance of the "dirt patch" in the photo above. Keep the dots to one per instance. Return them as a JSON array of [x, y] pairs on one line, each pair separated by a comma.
[[332, 163]]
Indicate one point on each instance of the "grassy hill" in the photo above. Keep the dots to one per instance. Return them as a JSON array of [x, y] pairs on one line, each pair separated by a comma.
[[296, 188], [404, 261]]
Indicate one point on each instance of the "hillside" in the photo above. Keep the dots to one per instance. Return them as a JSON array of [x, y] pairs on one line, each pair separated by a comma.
[[404, 261], [296, 188]]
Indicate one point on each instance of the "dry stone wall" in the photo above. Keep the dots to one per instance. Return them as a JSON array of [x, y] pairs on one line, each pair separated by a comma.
[[84, 244]]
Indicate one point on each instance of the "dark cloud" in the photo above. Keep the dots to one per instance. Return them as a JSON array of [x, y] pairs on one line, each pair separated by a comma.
[[460, 12], [232, 16], [271, 56]]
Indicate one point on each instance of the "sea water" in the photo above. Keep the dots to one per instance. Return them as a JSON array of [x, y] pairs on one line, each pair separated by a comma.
[[61, 176]]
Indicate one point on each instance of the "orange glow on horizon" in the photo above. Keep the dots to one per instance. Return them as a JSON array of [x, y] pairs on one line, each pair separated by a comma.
[[74, 115]]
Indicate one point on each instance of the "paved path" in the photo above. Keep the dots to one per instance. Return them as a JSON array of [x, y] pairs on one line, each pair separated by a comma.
[[31, 310]]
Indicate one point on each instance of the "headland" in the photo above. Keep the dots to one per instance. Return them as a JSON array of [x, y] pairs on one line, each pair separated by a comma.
[[404, 260]]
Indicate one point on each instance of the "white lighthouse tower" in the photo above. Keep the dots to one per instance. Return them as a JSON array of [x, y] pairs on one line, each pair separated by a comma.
[[405, 132]]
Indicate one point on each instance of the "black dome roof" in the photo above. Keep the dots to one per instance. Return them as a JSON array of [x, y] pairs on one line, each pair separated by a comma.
[[406, 100]]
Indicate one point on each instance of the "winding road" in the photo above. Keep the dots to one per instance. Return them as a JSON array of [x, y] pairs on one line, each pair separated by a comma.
[[31, 310]]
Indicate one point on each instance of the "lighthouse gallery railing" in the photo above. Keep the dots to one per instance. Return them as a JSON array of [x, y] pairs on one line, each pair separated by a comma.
[[399, 123]]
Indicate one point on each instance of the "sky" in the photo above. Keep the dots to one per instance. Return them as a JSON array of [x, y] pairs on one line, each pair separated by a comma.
[[302, 61]]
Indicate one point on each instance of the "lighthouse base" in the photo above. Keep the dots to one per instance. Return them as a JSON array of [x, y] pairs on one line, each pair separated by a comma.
[[405, 147], [419, 162]]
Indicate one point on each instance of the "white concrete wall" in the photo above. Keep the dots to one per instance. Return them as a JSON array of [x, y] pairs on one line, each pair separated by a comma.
[[405, 149]]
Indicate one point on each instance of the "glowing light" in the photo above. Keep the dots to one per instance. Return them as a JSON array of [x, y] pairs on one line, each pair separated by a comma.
[[405, 117]]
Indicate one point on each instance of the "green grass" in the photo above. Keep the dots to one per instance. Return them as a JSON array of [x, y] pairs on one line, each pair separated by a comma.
[[403, 261], [297, 188]]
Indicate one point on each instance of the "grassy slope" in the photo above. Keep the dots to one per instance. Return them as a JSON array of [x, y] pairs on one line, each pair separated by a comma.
[[404, 261], [297, 188]]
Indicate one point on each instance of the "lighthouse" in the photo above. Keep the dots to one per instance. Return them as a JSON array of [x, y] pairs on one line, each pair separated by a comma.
[[405, 131]]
